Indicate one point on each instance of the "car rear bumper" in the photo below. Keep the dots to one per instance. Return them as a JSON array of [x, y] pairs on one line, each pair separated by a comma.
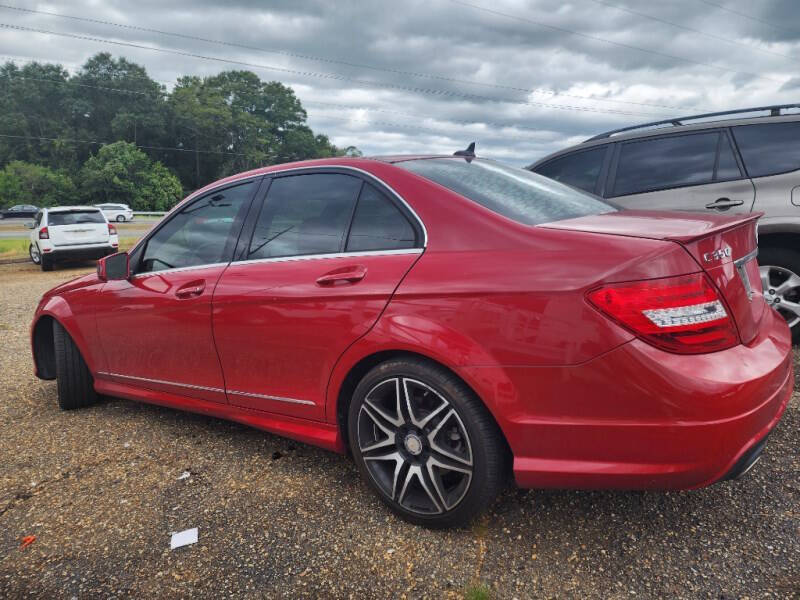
[[82, 252], [641, 418]]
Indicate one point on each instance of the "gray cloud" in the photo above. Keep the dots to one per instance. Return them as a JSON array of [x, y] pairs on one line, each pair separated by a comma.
[[582, 84]]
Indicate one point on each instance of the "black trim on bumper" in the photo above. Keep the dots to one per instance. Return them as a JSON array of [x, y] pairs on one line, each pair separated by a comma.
[[80, 253], [749, 459]]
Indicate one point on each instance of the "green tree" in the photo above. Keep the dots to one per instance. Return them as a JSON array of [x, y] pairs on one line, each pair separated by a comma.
[[25, 183], [120, 172]]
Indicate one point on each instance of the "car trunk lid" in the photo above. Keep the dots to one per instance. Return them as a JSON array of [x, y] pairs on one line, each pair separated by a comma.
[[724, 247]]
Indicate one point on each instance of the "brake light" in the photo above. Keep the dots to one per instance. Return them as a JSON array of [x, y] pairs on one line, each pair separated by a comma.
[[112, 230], [44, 234], [680, 314]]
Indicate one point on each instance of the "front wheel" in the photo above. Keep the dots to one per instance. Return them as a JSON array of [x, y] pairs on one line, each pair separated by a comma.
[[780, 278], [75, 382], [425, 443], [120, 218]]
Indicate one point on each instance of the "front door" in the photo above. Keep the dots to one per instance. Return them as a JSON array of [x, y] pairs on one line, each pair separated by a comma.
[[326, 253], [156, 326]]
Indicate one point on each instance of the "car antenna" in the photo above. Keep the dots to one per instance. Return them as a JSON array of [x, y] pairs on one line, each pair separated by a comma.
[[469, 153]]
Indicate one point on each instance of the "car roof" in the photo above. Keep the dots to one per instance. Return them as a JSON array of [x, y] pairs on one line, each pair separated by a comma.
[[69, 208], [665, 128]]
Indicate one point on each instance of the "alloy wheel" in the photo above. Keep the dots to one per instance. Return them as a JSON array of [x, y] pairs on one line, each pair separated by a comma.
[[782, 292], [415, 446], [34, 253]]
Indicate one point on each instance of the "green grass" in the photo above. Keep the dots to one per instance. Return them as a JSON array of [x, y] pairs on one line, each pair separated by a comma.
[[18, 248], [477, 592]]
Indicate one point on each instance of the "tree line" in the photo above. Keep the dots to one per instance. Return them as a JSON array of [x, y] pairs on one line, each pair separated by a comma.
[[110, 133]]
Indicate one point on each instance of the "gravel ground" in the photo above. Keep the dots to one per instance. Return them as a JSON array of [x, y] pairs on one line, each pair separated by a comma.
[[100, 490]]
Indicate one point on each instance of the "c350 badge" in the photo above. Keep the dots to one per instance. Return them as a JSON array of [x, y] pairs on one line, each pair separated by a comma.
[[717, 254]]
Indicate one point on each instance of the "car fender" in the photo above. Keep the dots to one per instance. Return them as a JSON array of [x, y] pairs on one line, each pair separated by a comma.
[[59, 309], [416, 334]]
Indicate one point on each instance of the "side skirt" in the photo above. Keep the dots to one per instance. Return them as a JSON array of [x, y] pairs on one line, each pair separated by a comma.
[[323, 435]]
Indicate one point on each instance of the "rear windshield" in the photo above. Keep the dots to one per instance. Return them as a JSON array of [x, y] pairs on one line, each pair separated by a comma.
[[74, 217], [514, 193]]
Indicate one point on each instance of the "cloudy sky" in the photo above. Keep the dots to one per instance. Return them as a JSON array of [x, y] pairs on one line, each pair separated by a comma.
[[521, 77]]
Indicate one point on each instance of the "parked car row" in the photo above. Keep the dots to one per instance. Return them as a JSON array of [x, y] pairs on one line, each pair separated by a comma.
[[447, 320], [114, 212]]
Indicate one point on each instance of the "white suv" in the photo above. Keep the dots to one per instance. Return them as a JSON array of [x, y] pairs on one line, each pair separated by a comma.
[[71, 233], [116, 212]]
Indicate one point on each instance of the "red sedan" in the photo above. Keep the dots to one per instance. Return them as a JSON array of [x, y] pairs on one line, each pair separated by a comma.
[[448, 321]]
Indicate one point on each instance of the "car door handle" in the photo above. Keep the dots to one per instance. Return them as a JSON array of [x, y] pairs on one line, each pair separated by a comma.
[[352, 274], [193, 288], [723, 203]]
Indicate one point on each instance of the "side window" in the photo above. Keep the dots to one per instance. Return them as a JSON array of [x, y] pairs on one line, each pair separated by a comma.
[[378, 224], [769, 149], [199, 233], [304, 214], [579, 170], [727, 167], [666, 162]]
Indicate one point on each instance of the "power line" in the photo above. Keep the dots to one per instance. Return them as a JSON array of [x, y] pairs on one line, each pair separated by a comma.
[[691, 29], [330, 76], [337, 61], [750, 17], [607, 41], [96, 143]]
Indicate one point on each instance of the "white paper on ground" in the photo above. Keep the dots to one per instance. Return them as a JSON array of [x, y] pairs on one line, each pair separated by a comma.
[[183, 538], [184, 475]]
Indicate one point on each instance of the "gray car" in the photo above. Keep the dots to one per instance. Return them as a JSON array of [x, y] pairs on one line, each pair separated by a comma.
[[728, 162]]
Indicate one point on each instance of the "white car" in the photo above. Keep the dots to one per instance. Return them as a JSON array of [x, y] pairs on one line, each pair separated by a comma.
[[71, 233], [116, 212]]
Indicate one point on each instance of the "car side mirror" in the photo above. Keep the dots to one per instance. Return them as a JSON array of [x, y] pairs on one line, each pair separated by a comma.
[[114, 268], [30, 225]]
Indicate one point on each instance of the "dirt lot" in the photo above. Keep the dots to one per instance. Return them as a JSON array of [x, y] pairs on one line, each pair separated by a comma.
[[100, 490]]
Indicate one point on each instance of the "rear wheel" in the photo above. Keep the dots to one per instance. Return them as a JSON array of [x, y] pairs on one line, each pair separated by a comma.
[[46, 262], [33, 251], [425, 443], [780, 278], [75, 382]]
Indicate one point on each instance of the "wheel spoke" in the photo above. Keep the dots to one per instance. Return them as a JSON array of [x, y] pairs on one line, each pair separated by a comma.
[[436, 481], [421, 422], [399, 462], [415, 471], [764, 271], [792, 282], [398, 420], [390, 436], [441, 450], [792, 307]]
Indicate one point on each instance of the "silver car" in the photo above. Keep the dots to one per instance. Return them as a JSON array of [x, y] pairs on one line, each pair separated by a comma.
[[729, 162]]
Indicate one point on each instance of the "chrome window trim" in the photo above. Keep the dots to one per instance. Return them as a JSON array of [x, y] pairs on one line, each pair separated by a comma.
[[370, 176], [177, 270], [207, 389], [331, 255], [267, 397]]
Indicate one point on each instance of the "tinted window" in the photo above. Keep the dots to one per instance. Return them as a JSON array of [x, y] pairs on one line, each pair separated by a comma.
[[514, 193], [727, 168], [666, 163], [304, 214], [74, 217], [378, 224], [770, 148], [199, 233], [579, 170]]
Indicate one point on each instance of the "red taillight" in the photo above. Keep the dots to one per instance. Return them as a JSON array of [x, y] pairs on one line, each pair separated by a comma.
[[44, 234], [681, 314], [112, 230]]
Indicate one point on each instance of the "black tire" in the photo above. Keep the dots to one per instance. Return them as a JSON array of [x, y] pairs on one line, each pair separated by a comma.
[[46, 263], [477, 437], [788, 259], [36, 257], [75, 382]]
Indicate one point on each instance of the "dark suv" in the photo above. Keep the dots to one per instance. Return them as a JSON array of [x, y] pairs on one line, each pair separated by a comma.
[[728, 162]]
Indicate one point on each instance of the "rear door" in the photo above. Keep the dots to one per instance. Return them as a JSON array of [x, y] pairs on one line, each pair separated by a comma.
[[690, 171], [76, 227], [324, 254]]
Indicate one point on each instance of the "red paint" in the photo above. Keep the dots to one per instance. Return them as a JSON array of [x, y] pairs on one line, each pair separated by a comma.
[[581, 400]]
